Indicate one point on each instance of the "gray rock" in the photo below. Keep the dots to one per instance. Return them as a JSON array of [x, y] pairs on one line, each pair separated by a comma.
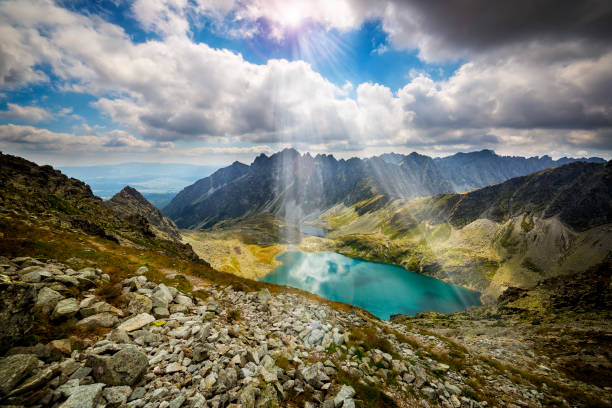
[[139, 304], [162, 297], [183, 300], [199, 354], [268, 398], [125, 367], [453, 389], [119, 336], [142, 270], [348, 403], [136, 322], [106, 319], [36, 276], [429, 392], [309, 374], [138, 393], [85, 396], [116, 396], [180, 332], [246, 397], [99, 307], [81, 373], [46, 300], [161, 312], [345, 393], [177, 402], [15, 368], [174, 368], [65, 309]]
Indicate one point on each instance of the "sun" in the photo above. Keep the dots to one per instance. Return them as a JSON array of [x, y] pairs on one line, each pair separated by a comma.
[[291, 14]]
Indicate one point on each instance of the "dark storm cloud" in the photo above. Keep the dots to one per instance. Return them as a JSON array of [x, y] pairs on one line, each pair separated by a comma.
[[482, 24]]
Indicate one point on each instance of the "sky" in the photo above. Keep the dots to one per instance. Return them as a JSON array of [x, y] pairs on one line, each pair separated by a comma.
[[213, 81]]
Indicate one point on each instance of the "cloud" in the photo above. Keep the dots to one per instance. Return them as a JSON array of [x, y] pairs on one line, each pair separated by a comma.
[[30, 114], [514, 88], [29, 138]]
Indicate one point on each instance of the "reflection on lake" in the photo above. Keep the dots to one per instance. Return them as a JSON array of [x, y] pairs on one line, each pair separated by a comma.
[[379, 288]]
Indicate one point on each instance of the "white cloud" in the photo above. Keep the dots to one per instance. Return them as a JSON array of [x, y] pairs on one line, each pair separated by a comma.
[[174, 89], [29, 138], [31, 114]]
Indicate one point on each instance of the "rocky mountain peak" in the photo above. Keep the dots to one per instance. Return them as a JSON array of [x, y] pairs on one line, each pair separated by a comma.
[[131, 205]]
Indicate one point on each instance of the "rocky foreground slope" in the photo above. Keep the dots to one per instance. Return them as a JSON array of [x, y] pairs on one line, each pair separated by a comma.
[[159, 347]]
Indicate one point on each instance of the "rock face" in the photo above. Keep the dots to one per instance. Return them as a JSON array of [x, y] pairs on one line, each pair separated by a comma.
[[125, 367], [130, 204]]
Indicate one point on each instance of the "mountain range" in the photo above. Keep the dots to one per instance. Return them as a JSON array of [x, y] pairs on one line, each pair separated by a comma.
[[299, 187]]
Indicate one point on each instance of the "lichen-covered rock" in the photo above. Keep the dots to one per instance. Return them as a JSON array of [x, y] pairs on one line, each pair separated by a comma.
[[15, 368], [46, 300], [16, 304], [85, 396], [125, 367], [268, 398], [138, 304], [65, 309], [107, 320], [116, 396]]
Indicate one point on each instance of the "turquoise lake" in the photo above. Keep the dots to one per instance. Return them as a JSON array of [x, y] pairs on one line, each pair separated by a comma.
[[379, 288]]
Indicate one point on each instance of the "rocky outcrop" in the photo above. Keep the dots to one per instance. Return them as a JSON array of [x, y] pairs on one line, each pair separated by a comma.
[[131, 206]]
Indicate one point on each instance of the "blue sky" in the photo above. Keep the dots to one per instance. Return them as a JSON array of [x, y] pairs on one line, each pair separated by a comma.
[[211, 81]]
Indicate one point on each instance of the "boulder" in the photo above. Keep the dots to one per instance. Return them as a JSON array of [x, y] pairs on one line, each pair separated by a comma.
[[162, 296], [268, 398], [46, 300], [62, 345], [15, 368], [116, 396], [125, 367], [142, 270], [84, 396], [183, 300], [345, 393], [119, 336], [138, 304], [99, 307], [65, 309], [99, 320], [161, 312], [36, 276], [246, 397], [136, 322]]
